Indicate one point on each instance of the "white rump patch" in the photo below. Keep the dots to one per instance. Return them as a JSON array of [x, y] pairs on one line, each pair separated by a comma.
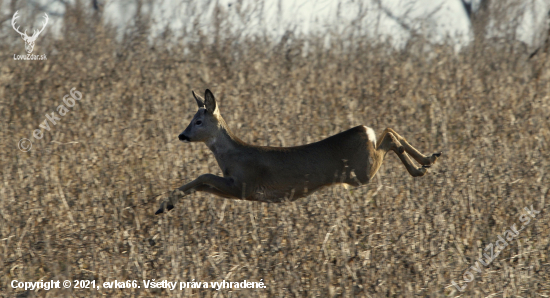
[[371, 135]]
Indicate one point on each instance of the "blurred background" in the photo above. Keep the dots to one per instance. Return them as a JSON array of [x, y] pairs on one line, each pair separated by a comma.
[[469, 78]]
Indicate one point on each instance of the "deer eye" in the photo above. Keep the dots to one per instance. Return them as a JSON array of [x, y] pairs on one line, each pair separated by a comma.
[[198, 122]]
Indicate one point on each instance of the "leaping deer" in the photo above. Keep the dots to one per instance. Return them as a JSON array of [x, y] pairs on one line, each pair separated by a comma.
[[29, 40], [274, 174]]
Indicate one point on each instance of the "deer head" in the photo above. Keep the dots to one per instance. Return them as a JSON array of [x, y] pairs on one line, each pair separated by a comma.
[[207, 122], [29, 40]]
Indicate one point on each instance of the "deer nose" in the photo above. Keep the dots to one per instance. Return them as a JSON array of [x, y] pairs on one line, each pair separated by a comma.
[[183, 137]]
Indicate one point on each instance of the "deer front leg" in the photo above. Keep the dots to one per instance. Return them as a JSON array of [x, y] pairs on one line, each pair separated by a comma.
[[224, 187]]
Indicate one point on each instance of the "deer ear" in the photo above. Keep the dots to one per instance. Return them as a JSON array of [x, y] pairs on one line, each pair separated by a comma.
[[200, 101], [210, 102]]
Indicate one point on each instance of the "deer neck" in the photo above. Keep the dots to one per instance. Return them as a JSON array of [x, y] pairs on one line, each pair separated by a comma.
[[223, 141]]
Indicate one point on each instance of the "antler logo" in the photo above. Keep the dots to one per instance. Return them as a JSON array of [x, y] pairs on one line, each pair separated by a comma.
[[29, 40]]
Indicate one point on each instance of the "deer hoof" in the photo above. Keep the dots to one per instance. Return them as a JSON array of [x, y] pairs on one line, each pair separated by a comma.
[[434, 157], [159, 211]]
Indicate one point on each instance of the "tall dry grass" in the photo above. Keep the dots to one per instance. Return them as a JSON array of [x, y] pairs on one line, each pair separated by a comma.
[[80, 204]]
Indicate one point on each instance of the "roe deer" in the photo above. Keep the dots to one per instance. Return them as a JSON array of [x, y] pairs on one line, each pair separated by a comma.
[[273, 174]]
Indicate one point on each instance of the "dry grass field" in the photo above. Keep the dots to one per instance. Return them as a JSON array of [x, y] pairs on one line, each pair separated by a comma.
[[80, 204]]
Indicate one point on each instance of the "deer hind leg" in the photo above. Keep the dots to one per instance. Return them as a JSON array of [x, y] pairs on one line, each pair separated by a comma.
[[422, 159], [223, 187], [388, 141]]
